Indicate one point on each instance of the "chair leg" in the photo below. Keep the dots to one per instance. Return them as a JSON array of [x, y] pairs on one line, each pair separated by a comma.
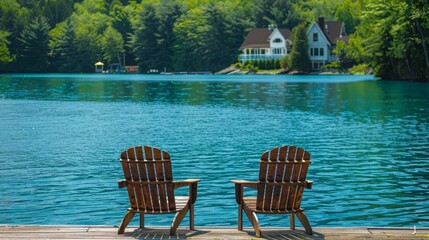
[[125, 221], [305, 223], [178, 219], [240, 217], [292, 221], [191, 217], [141, 220], [254, 221]]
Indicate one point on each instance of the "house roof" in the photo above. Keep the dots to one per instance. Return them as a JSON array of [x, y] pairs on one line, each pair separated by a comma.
[[333, 30], [259, 37], [287, 34]]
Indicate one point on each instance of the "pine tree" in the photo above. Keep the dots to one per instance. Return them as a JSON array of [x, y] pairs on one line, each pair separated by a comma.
[[34, 40], [168, 11], [62, 46], [300, 59]]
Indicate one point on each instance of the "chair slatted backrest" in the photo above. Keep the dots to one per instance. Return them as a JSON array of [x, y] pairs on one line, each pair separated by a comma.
[[149, 179], [281, 175]]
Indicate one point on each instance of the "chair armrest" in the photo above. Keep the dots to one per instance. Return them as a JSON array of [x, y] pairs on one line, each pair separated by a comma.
[[122, 183], [244, 183], [193, 186], [184, 183], [239, 185]]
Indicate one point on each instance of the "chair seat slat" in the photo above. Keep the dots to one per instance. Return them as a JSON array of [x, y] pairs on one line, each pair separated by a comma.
[[250, 203]]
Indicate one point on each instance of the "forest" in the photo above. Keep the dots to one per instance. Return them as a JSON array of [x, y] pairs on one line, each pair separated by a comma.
[[388, 36]]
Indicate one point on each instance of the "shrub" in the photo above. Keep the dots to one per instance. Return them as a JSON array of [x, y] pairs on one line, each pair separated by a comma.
[[360, 69], [285, 63], [332, 65]]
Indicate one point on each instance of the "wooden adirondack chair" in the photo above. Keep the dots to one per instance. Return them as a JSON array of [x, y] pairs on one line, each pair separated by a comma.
[[150, 185], [282, 179]]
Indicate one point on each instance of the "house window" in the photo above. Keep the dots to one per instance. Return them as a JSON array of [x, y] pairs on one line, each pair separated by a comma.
[[315, 37], [317, 65], [277, 51], [263, 51], [311, 52], [278, 40], [316, 52], [322, 52]]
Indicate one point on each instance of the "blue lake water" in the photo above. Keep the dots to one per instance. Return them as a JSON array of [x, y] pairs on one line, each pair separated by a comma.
[[61, 136]]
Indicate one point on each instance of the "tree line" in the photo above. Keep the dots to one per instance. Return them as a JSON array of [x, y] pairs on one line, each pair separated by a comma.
[[389, 36]]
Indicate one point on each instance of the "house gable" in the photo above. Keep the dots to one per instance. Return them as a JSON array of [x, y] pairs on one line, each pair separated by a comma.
[[320, 39], [276, 39]]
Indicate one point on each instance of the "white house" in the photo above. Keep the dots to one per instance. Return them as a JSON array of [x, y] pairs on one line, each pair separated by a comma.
[[275, 43], [266, 44], [322, 38]]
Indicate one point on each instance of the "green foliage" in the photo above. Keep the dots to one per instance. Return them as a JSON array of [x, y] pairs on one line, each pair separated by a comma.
[[207, 37], [348, 12], [144, 41], [391, 36], [273, 12], [167, 13], [300, 59], [63, 50], [212, 48], [395, 33], [90, 20], [189, 41], [5, 56], [255, 65], [112, 45], [332, 65], [285, 63], [250, 66], [360, 69], [120, 17], [237, 65], [13, 18], [55, 11], [34, 39]]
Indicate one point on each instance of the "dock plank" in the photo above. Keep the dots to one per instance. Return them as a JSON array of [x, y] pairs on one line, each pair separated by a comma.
[[110, 232]]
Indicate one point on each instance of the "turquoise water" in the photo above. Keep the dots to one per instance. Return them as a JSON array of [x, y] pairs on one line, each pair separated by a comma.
[[61, 136]]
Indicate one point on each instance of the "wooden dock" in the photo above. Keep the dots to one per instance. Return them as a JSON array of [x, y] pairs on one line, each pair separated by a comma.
[[110, 232]]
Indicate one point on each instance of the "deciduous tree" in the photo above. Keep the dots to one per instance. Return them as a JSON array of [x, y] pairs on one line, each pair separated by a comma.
[[112, 45]]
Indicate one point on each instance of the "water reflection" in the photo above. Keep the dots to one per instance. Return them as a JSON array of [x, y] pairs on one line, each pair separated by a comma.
[[370, 100]]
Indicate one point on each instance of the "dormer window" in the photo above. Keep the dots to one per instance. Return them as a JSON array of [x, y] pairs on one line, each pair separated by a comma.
[[277, 40], [315, 37]]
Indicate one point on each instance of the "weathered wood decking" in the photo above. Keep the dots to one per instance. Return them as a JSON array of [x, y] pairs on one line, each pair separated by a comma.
[[110, 232]]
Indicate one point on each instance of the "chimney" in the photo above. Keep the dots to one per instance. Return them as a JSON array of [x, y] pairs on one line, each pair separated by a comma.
[[321, 22]]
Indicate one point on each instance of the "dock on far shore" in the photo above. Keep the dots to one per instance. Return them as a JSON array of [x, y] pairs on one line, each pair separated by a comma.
[[110, 232]]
